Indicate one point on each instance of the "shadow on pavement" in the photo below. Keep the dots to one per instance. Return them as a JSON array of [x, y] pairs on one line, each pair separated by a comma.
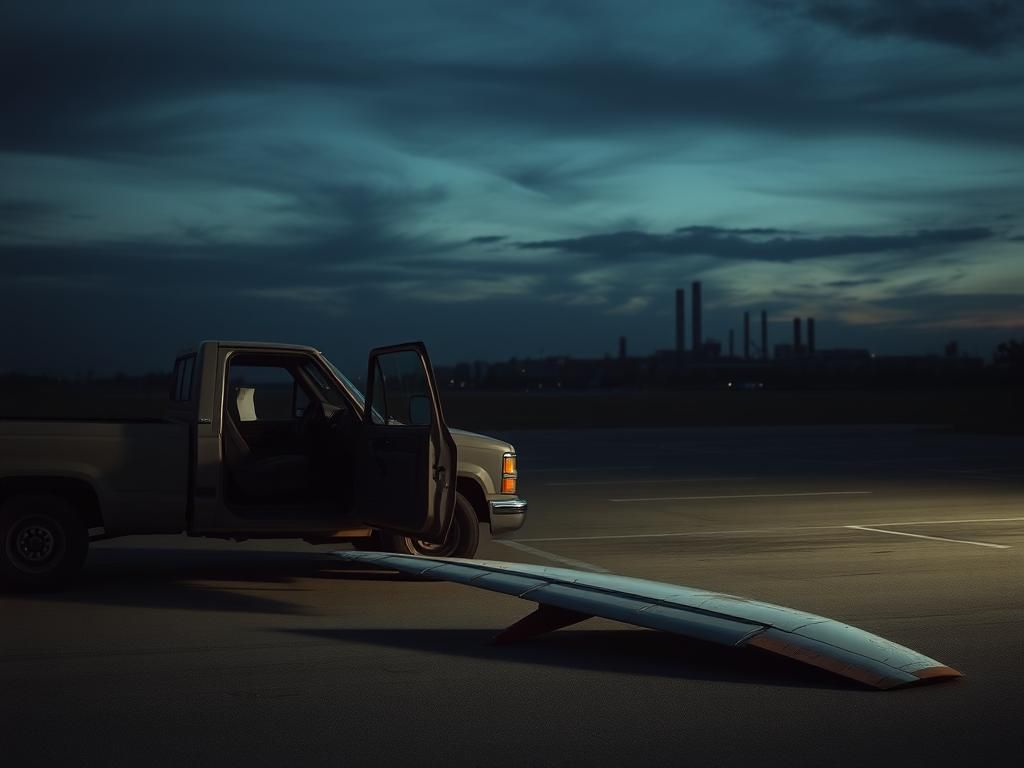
[[626, 651], [173, 579]]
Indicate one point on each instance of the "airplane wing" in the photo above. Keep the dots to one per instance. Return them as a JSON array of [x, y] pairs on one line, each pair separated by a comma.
[[565, 596]]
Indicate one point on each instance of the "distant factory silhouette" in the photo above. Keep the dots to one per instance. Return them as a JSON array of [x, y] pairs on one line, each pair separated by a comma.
[[702, 363], [702, 349]]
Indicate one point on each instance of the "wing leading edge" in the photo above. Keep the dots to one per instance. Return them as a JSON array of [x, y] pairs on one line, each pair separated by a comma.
[[566, 596]]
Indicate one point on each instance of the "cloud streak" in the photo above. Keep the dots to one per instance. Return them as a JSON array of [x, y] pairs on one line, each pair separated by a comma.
[[985, 26], [751, 245]]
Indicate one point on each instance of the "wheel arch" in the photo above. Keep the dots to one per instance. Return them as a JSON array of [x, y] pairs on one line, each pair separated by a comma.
[[79, 492], [474, 493]]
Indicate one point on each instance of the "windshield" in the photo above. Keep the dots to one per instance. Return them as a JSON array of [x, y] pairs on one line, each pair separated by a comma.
[[356, 392], [347, 382]]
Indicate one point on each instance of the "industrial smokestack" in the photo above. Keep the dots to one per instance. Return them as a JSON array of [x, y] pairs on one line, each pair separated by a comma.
[[764, 335], [730, 342], [680, 322], [622, 347], [746, 335], [697, 331], [810, 336], [796, 336]]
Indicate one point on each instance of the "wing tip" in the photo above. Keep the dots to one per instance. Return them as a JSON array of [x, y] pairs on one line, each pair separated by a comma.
[[937, 673]]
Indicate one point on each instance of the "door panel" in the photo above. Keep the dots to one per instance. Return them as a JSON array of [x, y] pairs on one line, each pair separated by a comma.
[[405, 469]]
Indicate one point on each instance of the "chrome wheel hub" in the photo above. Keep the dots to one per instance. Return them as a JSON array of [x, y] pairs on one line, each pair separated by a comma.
[[35, 543]]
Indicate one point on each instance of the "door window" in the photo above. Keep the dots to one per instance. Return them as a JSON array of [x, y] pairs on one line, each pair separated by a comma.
[[265, 393], [401, 394]]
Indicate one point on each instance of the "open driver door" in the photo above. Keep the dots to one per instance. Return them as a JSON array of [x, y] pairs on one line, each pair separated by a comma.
[[405, 457]]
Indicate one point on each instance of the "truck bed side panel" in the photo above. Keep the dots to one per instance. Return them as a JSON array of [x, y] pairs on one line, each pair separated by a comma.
[[139, 471]]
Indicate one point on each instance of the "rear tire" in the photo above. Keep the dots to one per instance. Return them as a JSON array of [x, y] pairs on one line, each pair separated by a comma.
[[462, 541], [43, 541]]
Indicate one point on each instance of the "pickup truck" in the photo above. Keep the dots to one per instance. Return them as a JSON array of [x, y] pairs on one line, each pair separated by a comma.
[[259, 441]]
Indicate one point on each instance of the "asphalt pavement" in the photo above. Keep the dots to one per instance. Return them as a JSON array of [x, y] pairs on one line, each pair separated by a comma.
[[191, 652]]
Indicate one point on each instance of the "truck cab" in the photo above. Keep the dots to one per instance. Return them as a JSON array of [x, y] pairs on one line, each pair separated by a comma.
[[281, 448]]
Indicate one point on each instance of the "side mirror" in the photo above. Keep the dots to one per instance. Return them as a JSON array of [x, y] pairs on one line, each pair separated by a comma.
[[420, 411]]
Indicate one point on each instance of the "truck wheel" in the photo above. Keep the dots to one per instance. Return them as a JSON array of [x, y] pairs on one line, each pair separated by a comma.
[[43, 541], [463, 536]]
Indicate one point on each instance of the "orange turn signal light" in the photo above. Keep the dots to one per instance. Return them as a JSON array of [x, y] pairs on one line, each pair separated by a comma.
[[508, 473]]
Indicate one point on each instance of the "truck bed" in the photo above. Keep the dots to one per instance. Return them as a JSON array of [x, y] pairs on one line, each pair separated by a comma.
[[137, 468]]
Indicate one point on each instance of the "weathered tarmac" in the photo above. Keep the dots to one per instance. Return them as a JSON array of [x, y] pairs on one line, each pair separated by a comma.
[[191, 652]]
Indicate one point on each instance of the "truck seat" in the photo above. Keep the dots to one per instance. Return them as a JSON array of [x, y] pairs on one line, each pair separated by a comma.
[[261, 477]]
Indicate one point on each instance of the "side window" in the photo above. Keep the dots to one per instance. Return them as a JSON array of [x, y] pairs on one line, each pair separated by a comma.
[[264, 392], [182, 381], [400, 390]]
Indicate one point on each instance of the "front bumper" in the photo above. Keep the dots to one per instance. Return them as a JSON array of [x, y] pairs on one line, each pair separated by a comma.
[[507, 515]]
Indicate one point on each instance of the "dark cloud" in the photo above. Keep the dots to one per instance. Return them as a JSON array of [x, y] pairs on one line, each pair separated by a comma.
[[721, 231], [486, 239], [26, 211], [149, 85], [353, 235], [742, 244], [74, 84], [853, 283], [978, 25]]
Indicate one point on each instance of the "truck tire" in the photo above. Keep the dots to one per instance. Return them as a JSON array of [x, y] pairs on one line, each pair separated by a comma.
[[463, 536], [43, 541]]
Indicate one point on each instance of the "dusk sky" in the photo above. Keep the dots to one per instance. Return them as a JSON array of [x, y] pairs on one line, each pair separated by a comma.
[[506, 179]]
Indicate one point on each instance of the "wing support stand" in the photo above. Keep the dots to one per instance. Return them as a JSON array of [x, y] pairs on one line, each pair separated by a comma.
[[547, 618]]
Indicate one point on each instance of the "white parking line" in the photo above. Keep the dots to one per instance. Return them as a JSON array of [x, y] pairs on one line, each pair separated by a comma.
[[578, 564], [922, 536], [587, 468], [737, 531], [945, 522], [643, 482], [750, 496]]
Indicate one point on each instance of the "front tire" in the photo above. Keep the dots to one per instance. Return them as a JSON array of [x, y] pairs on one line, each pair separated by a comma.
[[43, 541], [462, 540]]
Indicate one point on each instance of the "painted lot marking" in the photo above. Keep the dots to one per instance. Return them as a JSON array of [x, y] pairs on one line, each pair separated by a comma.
[[922, 536], [578, 564], [646, 482], [587, 468], [749, 496], [968, 520], [790, 529]]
